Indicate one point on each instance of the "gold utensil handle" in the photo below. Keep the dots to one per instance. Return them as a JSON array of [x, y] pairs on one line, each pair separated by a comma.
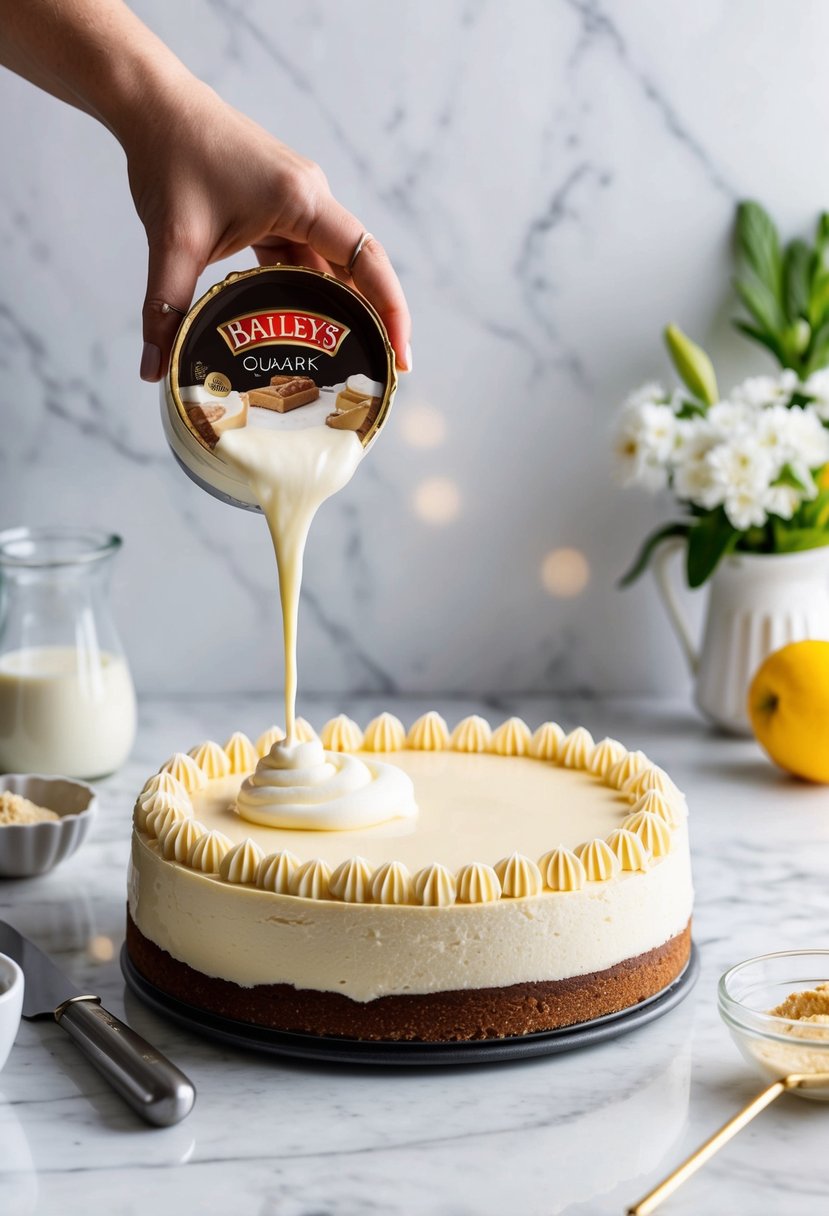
[[650, 1202]]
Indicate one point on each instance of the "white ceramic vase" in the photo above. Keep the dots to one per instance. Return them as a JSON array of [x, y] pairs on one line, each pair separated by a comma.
[[757, 603]]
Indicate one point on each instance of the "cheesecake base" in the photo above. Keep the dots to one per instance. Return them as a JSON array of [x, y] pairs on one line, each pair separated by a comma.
[[439, 1017]]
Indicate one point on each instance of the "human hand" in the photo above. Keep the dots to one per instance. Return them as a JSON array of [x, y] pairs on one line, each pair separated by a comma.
[[207, 182]]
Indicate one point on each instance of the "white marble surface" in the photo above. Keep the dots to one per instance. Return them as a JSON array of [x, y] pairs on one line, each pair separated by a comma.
[[581, 1134], [555, 181]]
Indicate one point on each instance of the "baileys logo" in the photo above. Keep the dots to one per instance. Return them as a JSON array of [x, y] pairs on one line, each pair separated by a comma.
[[282, 326]]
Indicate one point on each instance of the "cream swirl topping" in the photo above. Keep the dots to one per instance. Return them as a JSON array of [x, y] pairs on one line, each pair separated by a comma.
[[301, 785]]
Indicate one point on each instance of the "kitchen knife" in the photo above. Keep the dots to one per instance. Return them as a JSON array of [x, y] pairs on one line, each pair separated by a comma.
[[155, 1089]]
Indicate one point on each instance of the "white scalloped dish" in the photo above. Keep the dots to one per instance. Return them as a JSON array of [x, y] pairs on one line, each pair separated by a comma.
[[534, 857], [28, 849]]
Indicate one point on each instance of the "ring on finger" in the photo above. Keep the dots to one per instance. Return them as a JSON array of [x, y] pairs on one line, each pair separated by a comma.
[[358, 249]]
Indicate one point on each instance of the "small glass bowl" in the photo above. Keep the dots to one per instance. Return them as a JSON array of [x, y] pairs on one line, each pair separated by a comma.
[[774, 1046]]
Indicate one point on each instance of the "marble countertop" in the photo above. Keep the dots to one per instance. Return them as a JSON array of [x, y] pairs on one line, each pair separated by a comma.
[[584, 1133]]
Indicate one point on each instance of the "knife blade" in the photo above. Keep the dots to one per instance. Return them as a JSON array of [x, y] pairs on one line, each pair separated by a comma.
[[153, 1086], [46, 986]]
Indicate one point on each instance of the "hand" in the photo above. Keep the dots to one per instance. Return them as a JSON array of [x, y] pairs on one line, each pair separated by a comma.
[[208, 182]]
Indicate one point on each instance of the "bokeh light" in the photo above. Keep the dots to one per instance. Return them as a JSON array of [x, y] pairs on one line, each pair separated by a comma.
[[565, 573], [437, 500], [101, 949], [422, 426]]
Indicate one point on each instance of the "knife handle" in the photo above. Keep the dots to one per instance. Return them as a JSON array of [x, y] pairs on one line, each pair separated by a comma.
[[155, 1089]]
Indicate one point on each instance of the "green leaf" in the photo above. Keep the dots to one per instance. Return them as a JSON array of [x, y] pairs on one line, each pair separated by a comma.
[[708, 542], [822, 239], [649, 547], [796, 540], [796, 338], [788, 477], [762, 303], [819, 349], [693, 366], [818, 298], [818, 359], [759, 246], [799, 400], [770, 341], [821, 515], [815, 514], [691, 409], [797, 280], [755, 540]]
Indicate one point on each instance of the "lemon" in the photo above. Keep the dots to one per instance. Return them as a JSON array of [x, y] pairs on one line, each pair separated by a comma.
[[788, 704]]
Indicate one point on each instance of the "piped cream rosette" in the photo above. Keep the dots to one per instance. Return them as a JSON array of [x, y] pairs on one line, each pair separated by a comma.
[[301, 785]]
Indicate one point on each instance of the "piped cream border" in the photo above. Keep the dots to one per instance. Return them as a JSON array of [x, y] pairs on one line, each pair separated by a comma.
[[644, 837]]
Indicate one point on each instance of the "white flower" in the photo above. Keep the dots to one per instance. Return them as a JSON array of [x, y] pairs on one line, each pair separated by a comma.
[[657, 427], [782, 501], [774, 430], [806, 437], [645, 394], [695, 482], [734, 454], [730, 417], [698, 438], [744, 507], [741, 464], [817, 387], [686, 439], [759, 391], [807, 481], [644, 444], [694, 479], [636, 466]]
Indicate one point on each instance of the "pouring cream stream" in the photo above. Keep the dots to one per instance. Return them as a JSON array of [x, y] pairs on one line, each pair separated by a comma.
[[292, 473]]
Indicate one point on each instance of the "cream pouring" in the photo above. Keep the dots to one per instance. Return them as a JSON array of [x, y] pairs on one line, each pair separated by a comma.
[[291, 473], [298, 784]]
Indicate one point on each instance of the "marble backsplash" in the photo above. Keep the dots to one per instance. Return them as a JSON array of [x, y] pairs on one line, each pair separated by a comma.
[[554, 181]]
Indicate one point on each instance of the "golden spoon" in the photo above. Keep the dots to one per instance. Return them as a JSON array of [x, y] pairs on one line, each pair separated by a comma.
[[654, 1198]]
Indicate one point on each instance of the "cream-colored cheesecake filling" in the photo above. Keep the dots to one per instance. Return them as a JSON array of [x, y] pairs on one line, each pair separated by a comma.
[[472, 807], [250, 936]]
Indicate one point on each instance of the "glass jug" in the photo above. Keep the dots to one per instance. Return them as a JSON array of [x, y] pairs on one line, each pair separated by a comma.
[[67, 702]]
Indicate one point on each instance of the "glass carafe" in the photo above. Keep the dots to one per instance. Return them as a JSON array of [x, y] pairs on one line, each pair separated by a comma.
[[67, 702]]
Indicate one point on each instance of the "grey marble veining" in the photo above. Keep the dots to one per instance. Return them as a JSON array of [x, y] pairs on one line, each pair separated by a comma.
[[554, 181], [581, 1134]]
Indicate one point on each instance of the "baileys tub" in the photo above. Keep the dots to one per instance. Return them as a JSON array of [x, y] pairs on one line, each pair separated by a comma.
[[276, 347]]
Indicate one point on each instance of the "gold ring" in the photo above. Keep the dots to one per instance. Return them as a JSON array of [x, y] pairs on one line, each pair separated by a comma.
[[358, 249]]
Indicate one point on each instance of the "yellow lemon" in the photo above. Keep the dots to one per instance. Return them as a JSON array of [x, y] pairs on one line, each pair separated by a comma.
[[788, 704]]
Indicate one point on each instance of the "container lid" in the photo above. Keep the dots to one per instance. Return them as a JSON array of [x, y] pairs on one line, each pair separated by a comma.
[[277, 346]]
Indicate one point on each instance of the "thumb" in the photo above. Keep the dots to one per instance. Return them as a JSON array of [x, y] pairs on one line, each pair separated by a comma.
[[171, 281]]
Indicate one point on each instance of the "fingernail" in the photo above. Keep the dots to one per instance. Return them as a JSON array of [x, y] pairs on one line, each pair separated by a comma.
[[406, 365], [150, 362]]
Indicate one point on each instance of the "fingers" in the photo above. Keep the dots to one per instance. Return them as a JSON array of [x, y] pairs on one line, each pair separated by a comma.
[[171, 280], [374, 276], [333, 235], [287, 253]]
